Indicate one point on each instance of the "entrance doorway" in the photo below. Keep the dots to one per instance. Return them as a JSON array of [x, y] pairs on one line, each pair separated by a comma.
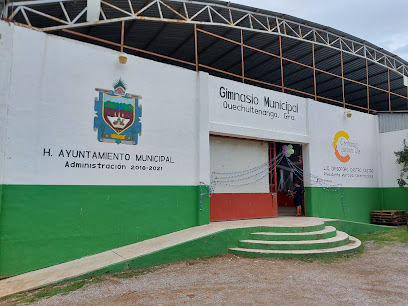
[[286, 176], [243, 180]]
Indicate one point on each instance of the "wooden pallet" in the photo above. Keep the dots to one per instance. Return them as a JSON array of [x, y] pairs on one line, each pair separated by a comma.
[[389, 217], [382, 221]]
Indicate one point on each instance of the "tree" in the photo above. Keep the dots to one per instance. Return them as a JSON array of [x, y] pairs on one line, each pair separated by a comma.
[[402, 159]]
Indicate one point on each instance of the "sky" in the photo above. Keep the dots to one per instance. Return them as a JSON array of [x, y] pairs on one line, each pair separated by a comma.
[[383, 23]]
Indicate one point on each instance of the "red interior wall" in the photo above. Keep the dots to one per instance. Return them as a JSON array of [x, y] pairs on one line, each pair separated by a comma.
[[284, 199], [230, 206]]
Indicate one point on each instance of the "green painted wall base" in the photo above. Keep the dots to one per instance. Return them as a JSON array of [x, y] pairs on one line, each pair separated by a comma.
[[355, 228], [395, 199], [214, 245], [41, 226], [203, 216], [358, 203], [1, 196], [211, 245]]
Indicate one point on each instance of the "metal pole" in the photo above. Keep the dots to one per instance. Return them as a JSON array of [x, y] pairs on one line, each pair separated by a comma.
[[281, 61], [342, 80], [368, 89], [314, 71], [195, 46], [274, 168], [271, 156], [122, 36], [389, 91], [242, 58]]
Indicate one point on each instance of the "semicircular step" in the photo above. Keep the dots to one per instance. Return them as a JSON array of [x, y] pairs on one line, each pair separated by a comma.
[[318, 226], [327, 232], [340, 239], [353, 245]]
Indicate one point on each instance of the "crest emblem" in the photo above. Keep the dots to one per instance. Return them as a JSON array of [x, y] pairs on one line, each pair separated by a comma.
[[118, 115]]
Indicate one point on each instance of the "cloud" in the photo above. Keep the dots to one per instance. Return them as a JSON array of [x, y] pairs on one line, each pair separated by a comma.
[[402, 51]]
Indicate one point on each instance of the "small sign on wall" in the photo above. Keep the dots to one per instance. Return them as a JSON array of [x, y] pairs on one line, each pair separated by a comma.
[[242, 105]]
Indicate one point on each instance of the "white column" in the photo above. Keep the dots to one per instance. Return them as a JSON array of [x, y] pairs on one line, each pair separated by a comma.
[[203, 137], [6, 49], [93, 9]]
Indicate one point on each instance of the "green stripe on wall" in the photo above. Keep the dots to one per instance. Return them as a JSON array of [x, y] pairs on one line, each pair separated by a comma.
[[1, 197], [395, 198], [358, 203], [42, 226]]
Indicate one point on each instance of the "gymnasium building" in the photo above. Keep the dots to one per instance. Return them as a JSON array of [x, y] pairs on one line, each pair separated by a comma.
[[144, 117]]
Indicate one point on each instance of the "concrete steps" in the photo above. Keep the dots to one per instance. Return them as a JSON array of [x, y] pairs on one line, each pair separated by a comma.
[[206, 240], [297, 243], [327, 232], [295, 229]]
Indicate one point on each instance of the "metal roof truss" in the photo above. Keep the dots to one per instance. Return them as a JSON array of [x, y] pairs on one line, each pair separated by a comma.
[[190, 12]]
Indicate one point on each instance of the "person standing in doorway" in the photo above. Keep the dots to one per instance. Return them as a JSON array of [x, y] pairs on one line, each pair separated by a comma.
[[297, 198]]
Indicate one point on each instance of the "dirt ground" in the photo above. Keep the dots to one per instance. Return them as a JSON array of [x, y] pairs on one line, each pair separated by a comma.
[[377, 277]]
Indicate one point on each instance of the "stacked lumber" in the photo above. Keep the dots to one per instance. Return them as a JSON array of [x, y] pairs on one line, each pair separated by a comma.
[[389, 217]]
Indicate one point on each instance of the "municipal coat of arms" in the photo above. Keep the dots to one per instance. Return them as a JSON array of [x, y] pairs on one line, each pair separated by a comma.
[[118, 115]]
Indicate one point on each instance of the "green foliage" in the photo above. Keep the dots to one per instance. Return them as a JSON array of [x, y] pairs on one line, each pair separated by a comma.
[[67, 287], [402, 159], [48, 291], [27, 297], [391, 236], [135, 273], [333, 259]]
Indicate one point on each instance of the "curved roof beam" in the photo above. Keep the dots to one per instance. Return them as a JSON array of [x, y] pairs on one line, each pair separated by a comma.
[[215, 13]]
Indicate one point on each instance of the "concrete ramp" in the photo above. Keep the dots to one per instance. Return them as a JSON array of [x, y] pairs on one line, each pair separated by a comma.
[[207, 240]]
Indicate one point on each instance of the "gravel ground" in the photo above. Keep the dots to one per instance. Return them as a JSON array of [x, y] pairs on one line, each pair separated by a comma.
[[377, 277]]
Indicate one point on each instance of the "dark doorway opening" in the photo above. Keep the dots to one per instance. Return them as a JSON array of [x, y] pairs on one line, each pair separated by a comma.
[[287, 174]]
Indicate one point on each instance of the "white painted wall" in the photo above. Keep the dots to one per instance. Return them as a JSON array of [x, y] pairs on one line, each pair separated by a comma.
[[6, 47], [51, 93], [319, 158], [229, 155], [315, 125], [253, 118], [203, 130], [51, 106], [391, 142]]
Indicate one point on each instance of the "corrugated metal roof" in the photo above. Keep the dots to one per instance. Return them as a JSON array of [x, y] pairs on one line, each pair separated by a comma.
[[395, 121], [137, 4], [176, 40]]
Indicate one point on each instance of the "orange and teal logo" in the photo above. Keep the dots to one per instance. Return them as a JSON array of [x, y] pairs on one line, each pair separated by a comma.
[[340, 139]]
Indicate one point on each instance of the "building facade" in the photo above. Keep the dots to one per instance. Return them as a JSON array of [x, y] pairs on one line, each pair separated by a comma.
[[95, 154]]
